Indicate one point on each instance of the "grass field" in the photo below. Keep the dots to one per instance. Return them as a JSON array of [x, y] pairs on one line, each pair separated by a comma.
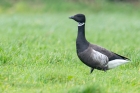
[[38, 55]]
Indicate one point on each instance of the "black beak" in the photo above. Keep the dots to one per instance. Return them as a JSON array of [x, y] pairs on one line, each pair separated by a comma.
[[71, 17]]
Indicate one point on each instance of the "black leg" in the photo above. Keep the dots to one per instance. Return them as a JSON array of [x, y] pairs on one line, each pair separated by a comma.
[[91, 70], [105, 69]]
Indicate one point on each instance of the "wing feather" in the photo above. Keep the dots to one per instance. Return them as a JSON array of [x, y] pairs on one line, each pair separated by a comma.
[[109, 54]]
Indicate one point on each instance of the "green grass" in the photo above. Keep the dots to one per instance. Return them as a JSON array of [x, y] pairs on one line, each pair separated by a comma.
[[38, 55], [49, 6]]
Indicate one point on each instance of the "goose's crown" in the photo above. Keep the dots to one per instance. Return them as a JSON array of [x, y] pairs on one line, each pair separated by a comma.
[[80, 18]]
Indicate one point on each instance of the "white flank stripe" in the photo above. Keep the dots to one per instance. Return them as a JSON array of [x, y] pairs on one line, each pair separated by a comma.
[[116, 62], [99, 57]]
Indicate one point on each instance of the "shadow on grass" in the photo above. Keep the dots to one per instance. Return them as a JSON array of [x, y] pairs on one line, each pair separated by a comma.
[[87, 89], [4, 59]]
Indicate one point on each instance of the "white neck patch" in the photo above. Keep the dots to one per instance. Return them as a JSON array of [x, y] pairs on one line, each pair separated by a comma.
[[81, 24]]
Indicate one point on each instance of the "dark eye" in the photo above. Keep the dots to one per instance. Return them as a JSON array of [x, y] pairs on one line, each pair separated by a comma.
[[79, 16]]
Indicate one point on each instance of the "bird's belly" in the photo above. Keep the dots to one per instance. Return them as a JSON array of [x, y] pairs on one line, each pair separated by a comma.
[[87, 60], [93, 59]]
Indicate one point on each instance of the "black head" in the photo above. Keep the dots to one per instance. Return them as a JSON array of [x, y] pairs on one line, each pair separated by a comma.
[[80, 18]]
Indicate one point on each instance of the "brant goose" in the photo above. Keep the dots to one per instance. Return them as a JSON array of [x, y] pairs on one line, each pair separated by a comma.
[[93, 55]]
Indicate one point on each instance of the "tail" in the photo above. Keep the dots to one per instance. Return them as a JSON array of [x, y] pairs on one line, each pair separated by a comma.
[[114, 63], [122, 57]]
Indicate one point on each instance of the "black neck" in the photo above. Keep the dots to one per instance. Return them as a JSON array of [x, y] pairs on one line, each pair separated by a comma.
[[81, 42]]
